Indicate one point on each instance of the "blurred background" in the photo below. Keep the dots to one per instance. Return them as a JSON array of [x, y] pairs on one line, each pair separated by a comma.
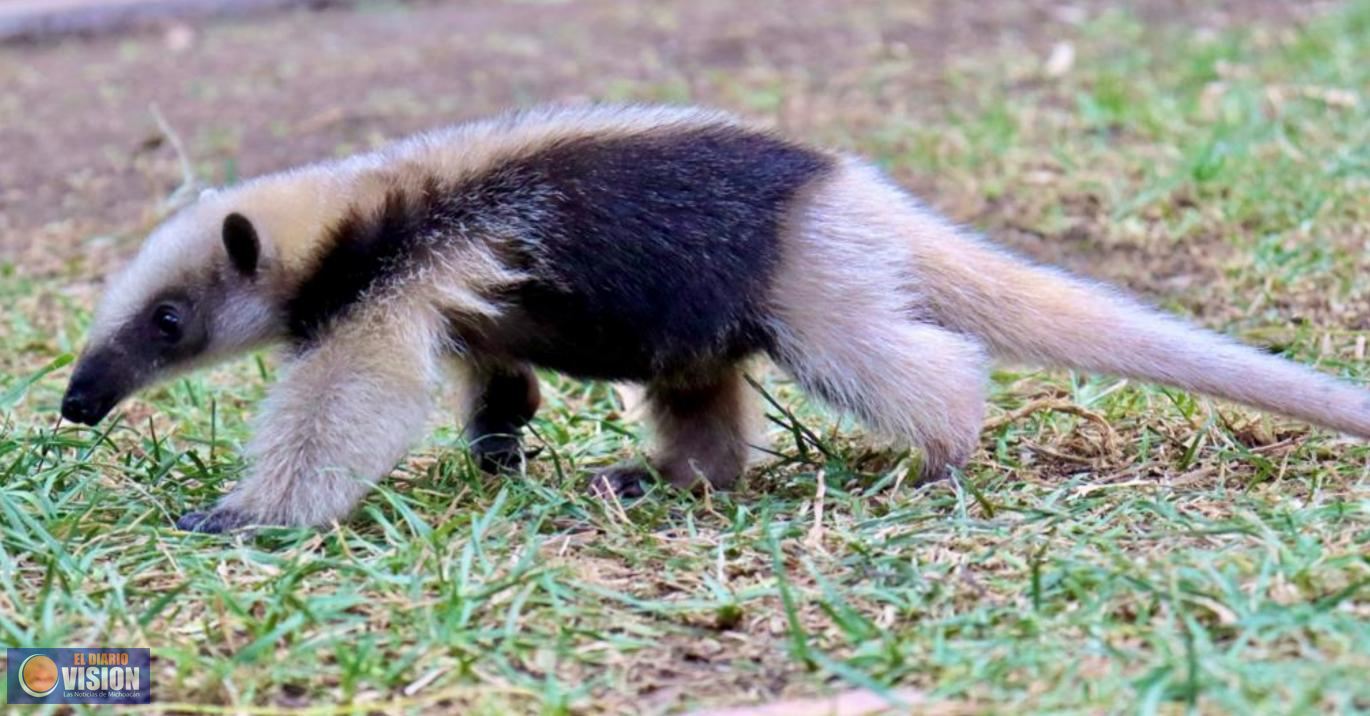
[[257, 85]]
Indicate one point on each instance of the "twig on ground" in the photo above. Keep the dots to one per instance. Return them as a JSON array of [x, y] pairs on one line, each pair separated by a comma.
[[189, 186]]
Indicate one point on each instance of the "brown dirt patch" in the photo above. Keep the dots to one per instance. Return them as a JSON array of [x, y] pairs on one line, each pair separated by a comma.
[[83, 156]]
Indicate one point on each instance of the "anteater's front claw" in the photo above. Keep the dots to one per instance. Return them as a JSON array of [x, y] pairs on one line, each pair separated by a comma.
[[498, 455], [625, 481], [211, 521]]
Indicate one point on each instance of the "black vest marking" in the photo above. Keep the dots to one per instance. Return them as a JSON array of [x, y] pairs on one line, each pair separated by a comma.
[[362, 250], [366, 250], [659, 255], [651, 254]]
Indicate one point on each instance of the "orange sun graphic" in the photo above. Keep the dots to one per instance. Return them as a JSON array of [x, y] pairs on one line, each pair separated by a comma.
[[38, 675]]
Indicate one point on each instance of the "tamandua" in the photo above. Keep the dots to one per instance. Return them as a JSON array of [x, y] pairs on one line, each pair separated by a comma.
[[662, 246]]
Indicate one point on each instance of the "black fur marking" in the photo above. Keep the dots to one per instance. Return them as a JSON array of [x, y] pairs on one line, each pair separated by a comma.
[[650, 254], [368, 249], [138, 352], [241, 242], [364, 249], [657, 253], [509, 398]]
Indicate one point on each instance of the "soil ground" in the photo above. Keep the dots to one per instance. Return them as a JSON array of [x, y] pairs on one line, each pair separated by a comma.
[[83, 155]]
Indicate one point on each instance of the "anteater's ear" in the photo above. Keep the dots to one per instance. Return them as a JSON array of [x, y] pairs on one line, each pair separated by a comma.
[[240, 239]]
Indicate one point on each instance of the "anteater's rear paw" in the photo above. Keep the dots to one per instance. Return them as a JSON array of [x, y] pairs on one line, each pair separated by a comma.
[[498, 454], [624, 481], [212, 521], [938, 464], [933, 472]]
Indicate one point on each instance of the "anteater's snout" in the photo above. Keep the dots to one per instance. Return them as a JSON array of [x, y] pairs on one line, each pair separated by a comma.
[[92, 393], [83, 406]]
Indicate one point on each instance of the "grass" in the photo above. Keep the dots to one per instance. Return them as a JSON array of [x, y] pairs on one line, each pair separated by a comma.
[[1113, 548]]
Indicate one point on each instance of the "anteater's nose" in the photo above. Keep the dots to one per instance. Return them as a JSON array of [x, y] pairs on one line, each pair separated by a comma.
[[97, 385], [78, 408]]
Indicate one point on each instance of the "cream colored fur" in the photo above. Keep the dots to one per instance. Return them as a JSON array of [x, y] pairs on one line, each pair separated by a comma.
[[892, 312], [1040, 315], [341, 416], [345, 412], [849, 327]]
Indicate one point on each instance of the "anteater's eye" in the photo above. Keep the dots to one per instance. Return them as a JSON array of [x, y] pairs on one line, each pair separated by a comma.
[[168, 322]]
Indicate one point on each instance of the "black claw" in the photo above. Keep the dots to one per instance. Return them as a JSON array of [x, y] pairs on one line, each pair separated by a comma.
[[497, 454], [625, 482], [211, 522], [189, 520], [497, 463]]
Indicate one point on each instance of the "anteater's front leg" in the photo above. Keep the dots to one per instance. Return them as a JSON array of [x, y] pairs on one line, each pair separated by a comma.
[[501, 399], [343, 414]]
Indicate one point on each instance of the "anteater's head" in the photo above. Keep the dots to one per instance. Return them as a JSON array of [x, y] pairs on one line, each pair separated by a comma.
[[199, 290]]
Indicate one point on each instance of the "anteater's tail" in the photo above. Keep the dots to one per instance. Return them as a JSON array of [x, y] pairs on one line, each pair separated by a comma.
[[1035, 314]]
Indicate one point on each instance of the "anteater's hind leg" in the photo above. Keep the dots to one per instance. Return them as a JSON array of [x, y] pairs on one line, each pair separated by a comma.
[[852, 327], [701, 432], [501, 399], [909, 381]]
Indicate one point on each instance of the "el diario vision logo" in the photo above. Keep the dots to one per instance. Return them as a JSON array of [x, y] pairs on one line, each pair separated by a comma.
[[96, 675]]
